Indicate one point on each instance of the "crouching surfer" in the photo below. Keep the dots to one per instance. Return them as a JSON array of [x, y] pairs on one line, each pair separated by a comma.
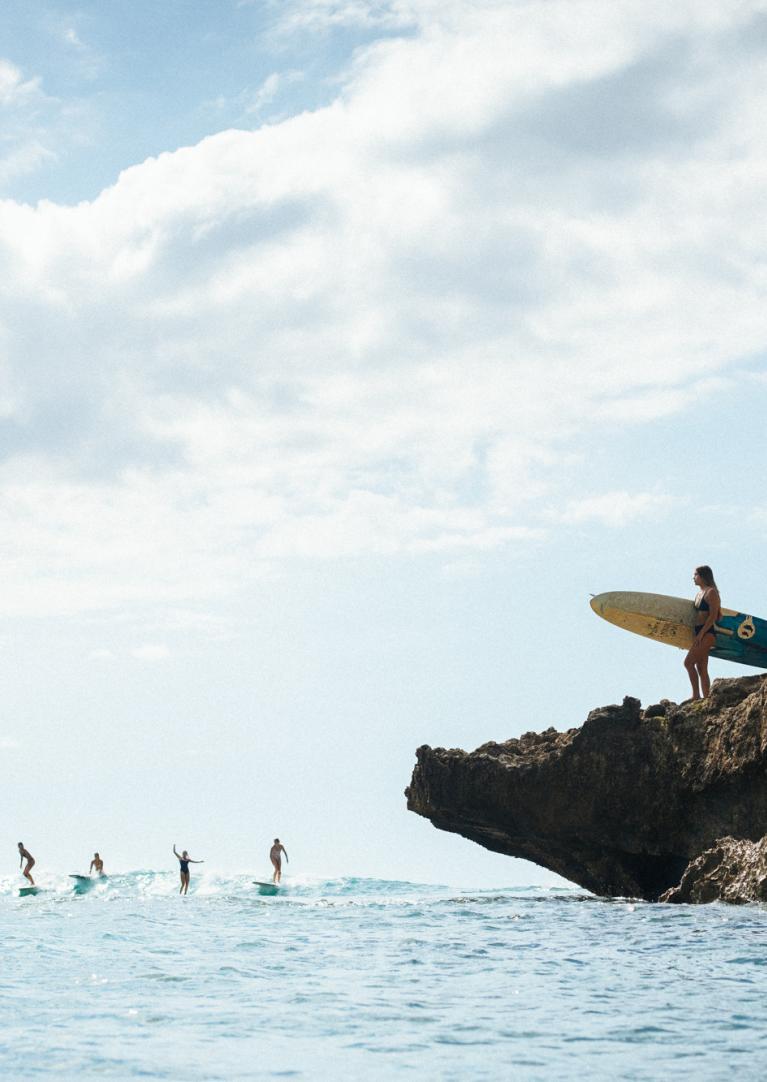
[[25, 855]]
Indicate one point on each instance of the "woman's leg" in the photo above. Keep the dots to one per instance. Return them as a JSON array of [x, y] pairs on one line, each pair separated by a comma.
[[705, 682], [692, 672], [696, 663], [27, 871], [702, 664]]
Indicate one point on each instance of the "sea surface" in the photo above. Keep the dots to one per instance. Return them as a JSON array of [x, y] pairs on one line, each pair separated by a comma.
[[366, 979]]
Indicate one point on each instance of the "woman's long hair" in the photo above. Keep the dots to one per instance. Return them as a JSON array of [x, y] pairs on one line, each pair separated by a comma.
[[706, 574]]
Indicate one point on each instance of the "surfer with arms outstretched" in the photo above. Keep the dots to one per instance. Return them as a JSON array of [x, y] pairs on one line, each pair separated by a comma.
[[275, 855], [184, 860], [707, 611], [98, 864], [25, 855]]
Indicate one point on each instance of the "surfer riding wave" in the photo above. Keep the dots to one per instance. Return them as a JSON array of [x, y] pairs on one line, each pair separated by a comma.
[[25, 855], [275, 855], [184, 860], [707, 611]]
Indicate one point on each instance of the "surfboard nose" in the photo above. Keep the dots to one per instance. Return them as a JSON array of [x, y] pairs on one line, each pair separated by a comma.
[[600, 602]]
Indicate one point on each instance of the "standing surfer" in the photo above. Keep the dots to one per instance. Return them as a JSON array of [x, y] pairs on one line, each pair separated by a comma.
[[707, 612], [30, 862], [275, 855], [184, 860], [98, 864]]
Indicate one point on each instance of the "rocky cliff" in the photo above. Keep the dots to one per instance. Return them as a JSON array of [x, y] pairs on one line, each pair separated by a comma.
[[730, 871], [621, 805]]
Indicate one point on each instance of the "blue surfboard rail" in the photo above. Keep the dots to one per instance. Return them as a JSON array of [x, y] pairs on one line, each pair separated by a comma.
[[741, 638]]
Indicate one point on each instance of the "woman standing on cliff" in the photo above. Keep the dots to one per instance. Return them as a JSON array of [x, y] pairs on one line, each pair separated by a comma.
[[707, 612]]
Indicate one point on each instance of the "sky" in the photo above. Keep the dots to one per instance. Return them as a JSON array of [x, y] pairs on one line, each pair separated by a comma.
[[346, 346]]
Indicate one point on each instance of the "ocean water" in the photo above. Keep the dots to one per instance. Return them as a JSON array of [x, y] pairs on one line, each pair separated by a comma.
[[365, 979]]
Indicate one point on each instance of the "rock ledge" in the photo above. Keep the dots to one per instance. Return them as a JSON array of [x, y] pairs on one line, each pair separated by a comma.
[[623, 804]]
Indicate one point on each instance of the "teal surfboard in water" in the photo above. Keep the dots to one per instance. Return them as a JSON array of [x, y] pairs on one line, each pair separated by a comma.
[[26, 892], [266, 888], [84, 883], [740, 637]]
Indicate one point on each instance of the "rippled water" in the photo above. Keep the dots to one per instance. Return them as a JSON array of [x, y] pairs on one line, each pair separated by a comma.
[[368, 979]]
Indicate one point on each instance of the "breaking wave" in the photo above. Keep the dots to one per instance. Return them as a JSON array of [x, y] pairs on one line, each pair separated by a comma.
[[297, 889]]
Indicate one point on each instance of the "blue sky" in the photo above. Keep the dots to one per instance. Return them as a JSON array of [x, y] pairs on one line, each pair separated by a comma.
[[345, 348]]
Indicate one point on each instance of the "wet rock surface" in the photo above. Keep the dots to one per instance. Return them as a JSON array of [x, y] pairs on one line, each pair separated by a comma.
[[732, 870], [621, 805]]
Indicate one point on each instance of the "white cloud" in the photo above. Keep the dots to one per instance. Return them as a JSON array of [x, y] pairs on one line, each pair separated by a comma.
[[265, 93], [24, 158], [615, 509], [151, 651], [71, 37], [33, 125], [269, 90], [329, 14], [13, 87], [382, 326]]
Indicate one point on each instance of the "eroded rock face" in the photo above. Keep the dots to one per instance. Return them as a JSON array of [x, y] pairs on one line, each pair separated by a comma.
[[732, 870], [621, 805]]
